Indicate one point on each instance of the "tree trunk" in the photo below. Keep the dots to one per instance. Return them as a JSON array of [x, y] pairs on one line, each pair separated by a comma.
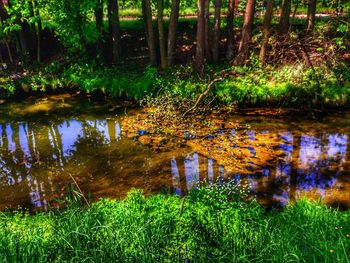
[[163, 54], [266, 33], [284, 18], [23, 35], [174, 17], [114, 30], [39, 29], [9, 51], [230, 32], [311, 13], [296, 8], [99, 23], [207, 31], [38, 43], [200, 47], [216, 31], [243, 50], [147, 14], [1, 58], [1, 24]]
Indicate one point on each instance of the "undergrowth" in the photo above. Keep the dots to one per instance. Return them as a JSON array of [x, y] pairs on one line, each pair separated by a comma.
[[254, 85]]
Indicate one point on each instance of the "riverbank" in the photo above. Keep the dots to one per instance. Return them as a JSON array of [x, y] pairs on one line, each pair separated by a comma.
[[289, 86], [214, 224]]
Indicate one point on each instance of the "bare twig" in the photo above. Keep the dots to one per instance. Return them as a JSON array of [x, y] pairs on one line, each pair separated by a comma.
[[81, 192], [223, 74]]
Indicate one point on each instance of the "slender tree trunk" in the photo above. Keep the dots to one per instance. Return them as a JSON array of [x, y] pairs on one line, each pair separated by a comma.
[[200, 47], [311, 13], [9, 52], [296, 8], [207, 31], [216, 31], [38, 43], [39, 29], [1, 58], [230, 32], [1, 24], [160, 20], [147, 14], [243, 50], [267, 28], [174, 17], [284, 18], [114, 29], [23, 35], [99, 23]]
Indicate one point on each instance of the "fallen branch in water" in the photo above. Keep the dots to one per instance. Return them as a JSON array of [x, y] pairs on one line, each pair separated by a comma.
[[209, 88]]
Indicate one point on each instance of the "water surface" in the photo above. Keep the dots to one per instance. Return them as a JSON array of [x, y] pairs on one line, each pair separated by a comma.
[[45, 143]]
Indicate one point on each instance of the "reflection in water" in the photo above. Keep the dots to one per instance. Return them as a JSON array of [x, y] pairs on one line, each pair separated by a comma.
[[191, 170], [310, 163], [38, 158]]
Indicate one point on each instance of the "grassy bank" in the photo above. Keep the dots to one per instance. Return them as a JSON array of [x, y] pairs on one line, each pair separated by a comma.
[[254, 85], [209, 225]]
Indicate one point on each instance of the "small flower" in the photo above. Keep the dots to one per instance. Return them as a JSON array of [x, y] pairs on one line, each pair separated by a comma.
[[331, 251]]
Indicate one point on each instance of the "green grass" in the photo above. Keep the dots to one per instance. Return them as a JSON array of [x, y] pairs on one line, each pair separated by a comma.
[[131, 12], [287, 86], [209, 225]]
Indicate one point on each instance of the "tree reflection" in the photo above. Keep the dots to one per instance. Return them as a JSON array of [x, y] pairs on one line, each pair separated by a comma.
[[36, 160]]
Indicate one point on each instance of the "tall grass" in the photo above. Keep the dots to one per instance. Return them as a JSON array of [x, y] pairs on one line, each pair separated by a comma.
[[209, 225]]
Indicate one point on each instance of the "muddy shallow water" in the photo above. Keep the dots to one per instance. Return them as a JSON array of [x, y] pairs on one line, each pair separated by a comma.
[[45, 143]]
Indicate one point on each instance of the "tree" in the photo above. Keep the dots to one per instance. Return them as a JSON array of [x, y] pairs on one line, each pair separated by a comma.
[[296, 7], [74, 27], [266, 31], [174, 17], [216, 31], [163, 54], [230, 33], [114, 29], [5, 30], [311, 13], [99, 22], [243, 50], [38, 28], [284, 18], [207, 31], [147, 16], [200, 46]]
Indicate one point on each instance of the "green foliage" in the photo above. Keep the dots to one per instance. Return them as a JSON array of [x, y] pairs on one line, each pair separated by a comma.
[[7, 88], [117, 82], [73, 22], [253, 85], [211, 224]]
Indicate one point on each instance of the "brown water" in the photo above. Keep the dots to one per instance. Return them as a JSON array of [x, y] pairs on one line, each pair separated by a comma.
[[45, 143]]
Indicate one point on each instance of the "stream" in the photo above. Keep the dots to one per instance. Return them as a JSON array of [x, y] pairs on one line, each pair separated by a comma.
[[50, 144]]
